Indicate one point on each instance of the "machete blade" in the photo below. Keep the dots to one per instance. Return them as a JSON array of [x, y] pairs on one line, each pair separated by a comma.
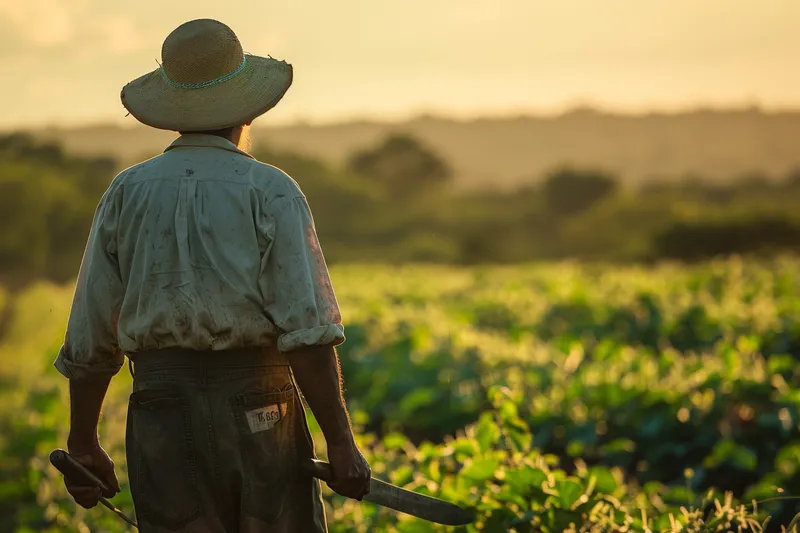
[[409, 502], [391, 496]]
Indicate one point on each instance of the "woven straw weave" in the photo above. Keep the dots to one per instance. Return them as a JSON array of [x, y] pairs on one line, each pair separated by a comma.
[[206, 81]]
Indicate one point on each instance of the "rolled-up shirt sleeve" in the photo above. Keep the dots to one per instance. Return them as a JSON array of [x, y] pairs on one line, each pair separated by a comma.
[[91, 350], [295, 282]]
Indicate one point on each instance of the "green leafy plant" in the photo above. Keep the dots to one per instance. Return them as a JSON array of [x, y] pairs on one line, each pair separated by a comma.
[[554, 397]]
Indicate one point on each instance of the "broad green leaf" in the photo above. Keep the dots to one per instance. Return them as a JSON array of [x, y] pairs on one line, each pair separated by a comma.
[[402, 475], [522, 480], [465, 447], [480, 469], [568, 492], [487, 432], [394, 441], [604, 479]]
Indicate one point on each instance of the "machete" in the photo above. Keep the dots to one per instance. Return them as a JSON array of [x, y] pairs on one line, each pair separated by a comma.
[[399, 499], [68, 466], [380, 492]]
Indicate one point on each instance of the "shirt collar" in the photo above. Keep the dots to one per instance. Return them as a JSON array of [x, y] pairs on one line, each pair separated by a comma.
[[204, 140]]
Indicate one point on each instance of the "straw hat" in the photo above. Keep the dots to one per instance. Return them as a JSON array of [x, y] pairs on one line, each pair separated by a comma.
[[206, 81]]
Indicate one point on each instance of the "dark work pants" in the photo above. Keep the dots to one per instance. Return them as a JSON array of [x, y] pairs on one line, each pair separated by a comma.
[[214, 443]]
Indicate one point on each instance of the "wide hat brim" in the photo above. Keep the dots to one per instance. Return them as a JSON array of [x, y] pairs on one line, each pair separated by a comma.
[[253, 91]]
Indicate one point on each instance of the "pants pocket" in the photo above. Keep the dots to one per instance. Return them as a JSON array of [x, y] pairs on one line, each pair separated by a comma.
[[161, 460], [265, 423]]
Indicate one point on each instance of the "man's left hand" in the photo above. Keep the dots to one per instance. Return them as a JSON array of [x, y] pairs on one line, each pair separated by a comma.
[[100, 464]]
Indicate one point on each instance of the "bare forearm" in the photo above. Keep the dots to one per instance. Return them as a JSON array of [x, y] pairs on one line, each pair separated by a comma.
[[317, 372], [86, 401]]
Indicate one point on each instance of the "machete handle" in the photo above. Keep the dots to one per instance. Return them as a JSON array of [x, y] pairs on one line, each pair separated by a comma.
[[318, 469], [76, 472], [67, 465]]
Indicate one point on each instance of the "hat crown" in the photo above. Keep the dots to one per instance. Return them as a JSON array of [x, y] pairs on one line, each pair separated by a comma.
[[200, 51]]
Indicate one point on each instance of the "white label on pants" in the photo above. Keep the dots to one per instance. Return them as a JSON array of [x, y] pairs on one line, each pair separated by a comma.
[[264, 418]]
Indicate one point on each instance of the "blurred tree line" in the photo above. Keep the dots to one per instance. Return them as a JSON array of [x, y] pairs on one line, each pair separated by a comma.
[[47, 202], [392, 203]]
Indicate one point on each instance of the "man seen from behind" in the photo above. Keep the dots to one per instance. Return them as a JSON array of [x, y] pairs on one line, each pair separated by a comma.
[[204, 268]]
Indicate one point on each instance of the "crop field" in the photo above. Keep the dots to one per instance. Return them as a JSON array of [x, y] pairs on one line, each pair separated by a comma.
[[546, 397]]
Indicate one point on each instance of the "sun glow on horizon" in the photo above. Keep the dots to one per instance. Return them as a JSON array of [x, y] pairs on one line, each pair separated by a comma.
[[355, 59]]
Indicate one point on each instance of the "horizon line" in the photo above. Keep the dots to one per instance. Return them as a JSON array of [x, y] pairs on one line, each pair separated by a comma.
[[441, 115]]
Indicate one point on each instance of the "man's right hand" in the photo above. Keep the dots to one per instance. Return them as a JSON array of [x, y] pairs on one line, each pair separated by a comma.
[[351, 473]]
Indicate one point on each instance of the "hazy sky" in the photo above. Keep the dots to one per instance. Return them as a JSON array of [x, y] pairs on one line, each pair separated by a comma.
[[64, 61]]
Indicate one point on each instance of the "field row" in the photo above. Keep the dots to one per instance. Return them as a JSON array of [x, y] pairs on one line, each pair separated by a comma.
[[541, 396]]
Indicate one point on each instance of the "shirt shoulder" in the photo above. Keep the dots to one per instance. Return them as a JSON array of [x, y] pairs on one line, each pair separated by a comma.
[[129, 173], [277, 187], [116, 185], [274, 187]]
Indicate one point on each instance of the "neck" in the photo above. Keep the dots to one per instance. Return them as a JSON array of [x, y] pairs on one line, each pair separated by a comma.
[[241, 138], [238, 135]]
